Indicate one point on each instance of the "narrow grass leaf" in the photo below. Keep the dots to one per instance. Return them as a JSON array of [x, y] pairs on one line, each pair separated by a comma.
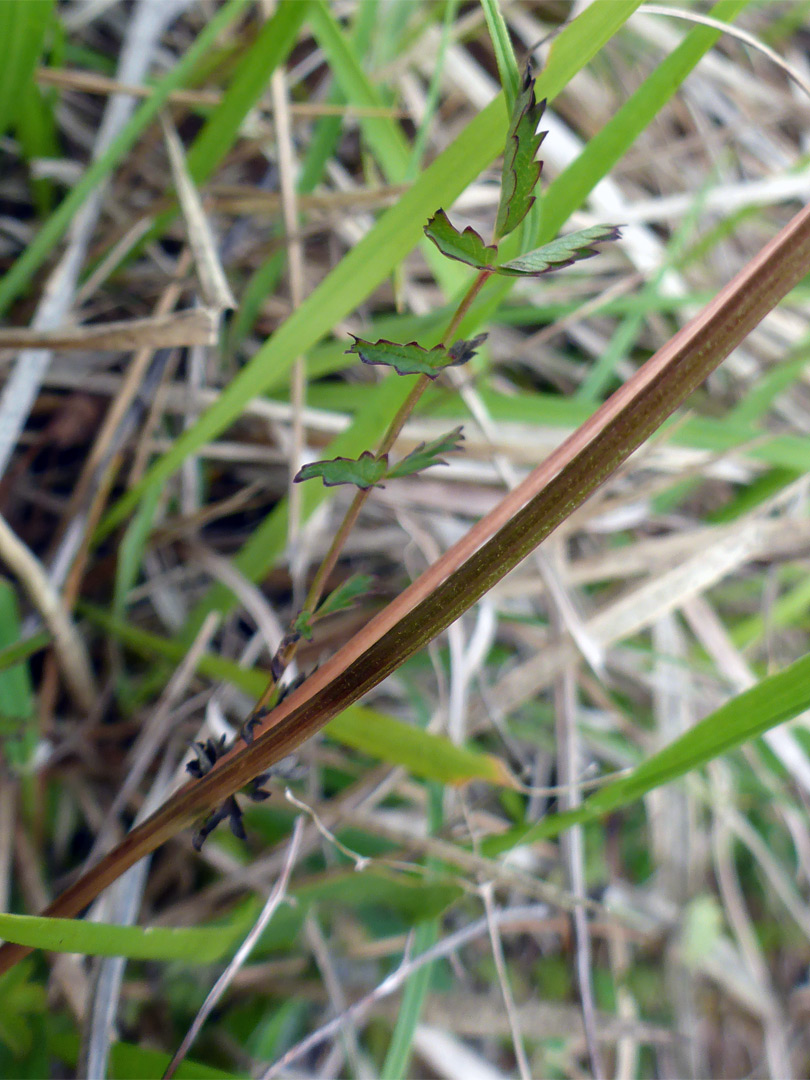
[[16, 688], [773, 700], [21, 650], [274, 43], [382, 133], [130, 1062], [195, 946], [36, 131], [392, 740], [131, 549], [400, 1049], [504, 53], [23, 25]]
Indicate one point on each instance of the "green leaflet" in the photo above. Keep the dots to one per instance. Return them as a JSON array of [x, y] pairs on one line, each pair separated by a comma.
[[521, 170], [413, 359], [369, 471], [467, 246], [364, 472], [564, 251], [470, 248], [341, 598], [427, 454], [345, 595]]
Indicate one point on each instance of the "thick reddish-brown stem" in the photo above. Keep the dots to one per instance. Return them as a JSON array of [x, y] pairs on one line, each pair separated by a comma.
[[494, 546]]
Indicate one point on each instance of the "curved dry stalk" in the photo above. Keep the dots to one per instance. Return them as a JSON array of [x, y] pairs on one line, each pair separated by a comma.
[[486, 554], [67, 642]]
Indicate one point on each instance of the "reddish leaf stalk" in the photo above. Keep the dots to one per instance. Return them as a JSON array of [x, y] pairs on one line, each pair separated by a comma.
[[491, 549]]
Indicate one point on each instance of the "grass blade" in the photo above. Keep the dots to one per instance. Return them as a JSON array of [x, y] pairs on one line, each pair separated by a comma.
[[508, 67], [22, 32]]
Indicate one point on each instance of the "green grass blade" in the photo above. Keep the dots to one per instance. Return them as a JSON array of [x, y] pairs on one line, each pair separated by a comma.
[[36, 134], [194, 946], [432, 97], [131, 549], [271, 48], [772, 701], [130, 1062], [400, 1049], [21, 650], [16, 689], [412, 897], [398, 1056], [391, 740], [504, 53], [21, 273], [23, 25], [383, 133], [606, 148]]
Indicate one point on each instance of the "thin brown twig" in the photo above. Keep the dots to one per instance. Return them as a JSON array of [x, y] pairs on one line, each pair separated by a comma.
[[92, 83], [71, 651]]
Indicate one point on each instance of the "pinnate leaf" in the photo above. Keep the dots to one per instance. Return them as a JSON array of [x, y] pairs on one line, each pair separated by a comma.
[[521, 170], [467, 246], [563, 251], [427, 454], [364, 472], [412, 359], [345, 595]]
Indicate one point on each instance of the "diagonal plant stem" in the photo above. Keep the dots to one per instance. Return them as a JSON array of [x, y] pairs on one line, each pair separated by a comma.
[[289, 645], [487, 553]]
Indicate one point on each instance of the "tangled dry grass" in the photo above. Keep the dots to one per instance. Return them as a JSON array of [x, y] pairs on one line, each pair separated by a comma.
[[680, 584]]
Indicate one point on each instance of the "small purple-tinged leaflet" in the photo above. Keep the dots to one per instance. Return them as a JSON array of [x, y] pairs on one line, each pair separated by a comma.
[[466, 247], [412, 359], [564, 251], [345, 595], [427, 454], [521, 169], [364, 472]]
